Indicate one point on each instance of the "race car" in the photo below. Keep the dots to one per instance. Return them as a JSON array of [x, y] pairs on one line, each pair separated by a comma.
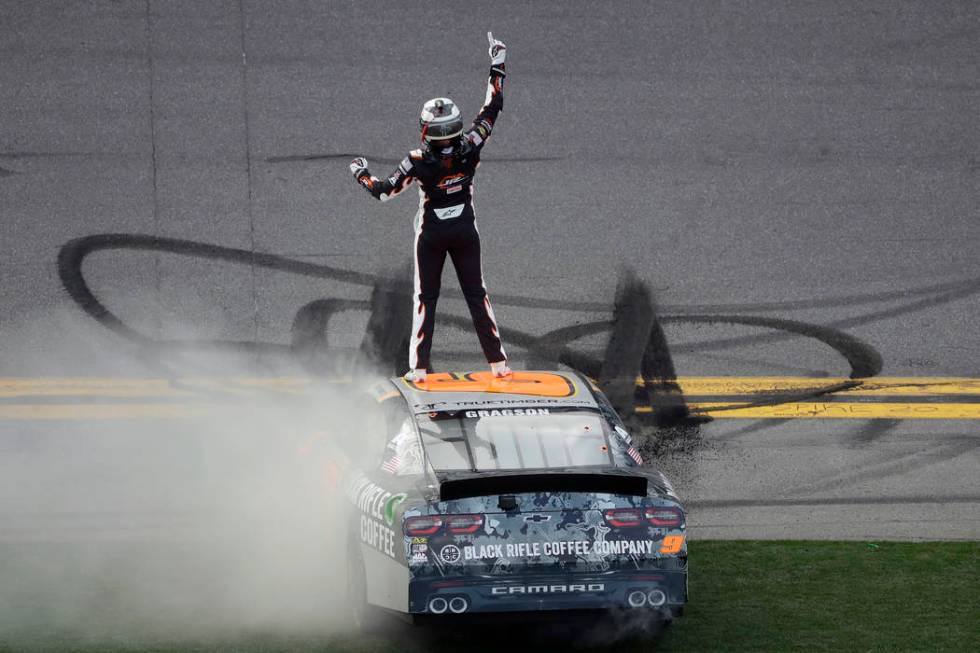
[[478, 495]]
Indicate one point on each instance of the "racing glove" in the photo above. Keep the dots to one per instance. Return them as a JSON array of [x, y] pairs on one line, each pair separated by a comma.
[[359, 167], [498, 51]]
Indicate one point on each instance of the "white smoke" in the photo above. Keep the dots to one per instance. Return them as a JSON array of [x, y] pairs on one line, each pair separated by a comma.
[[221, 524], [217, 529]]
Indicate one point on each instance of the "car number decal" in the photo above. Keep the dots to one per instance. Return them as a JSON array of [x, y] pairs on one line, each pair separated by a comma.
[[672, 544]]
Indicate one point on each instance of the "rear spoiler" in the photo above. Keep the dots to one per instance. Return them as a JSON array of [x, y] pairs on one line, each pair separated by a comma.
[[462, 485]]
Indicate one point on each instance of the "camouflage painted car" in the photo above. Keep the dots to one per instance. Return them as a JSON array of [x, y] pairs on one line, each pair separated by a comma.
[[524, 494]]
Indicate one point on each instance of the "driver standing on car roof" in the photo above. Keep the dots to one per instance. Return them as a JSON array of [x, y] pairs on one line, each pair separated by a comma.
[[445, 223]]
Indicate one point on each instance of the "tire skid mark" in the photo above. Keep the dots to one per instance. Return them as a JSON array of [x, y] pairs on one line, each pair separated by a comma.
[[659, 390], [895, 388], [873, 430], [73, 253], [859, 299], [962, 291], [864, 360], [793, 370]]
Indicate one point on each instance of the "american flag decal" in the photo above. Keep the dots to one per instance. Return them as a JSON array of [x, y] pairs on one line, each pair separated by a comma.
[[391, 465], [635, 455]]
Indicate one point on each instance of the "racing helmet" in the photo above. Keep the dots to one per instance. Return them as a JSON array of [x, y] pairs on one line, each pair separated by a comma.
[[440, 122]]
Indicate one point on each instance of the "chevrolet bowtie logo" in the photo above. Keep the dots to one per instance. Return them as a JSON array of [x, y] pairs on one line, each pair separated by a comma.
[[537, 518]]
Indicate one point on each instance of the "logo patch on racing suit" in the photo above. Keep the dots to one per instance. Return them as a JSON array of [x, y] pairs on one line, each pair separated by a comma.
[[449, 212], [452, 183]]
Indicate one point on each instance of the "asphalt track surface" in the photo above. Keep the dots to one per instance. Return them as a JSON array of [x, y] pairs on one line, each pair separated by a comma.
[[795, 163]]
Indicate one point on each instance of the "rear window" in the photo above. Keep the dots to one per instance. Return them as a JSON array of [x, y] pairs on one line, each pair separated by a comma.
[[514, 438]]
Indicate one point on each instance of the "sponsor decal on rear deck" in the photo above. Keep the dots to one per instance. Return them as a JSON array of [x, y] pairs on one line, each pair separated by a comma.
[[419, 552], [450, 554], [558, 549]]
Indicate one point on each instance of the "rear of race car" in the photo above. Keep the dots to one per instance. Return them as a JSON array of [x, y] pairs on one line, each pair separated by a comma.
[[542, 551]]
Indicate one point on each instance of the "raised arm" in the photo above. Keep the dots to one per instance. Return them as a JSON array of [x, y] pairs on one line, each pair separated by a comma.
[[494, 102], [383, 189]]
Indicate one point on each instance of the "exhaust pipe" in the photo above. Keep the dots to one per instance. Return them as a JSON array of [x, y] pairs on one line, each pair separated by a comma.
[[636, 599], [656, 598], [437, 605], [458, 605]]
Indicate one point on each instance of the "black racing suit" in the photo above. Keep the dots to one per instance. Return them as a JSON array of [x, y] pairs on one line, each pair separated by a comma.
[[446, 224]]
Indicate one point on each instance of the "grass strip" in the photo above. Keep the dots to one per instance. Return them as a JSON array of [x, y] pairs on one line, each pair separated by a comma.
[[744, 596], [830, 596]]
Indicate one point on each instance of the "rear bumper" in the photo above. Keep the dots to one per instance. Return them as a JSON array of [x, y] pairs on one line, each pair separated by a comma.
[[636, 590]]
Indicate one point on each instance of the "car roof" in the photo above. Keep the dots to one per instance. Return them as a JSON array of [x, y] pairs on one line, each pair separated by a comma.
[[448, 391]]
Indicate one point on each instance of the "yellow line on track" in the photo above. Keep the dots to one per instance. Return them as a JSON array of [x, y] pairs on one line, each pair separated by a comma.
[[877, 386], [746, 388], [80, 412], [130, 387], [834, 410], [82, 387]]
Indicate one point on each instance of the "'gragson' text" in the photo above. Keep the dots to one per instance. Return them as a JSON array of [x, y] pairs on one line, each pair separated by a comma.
[[507, 412], [577, 547]]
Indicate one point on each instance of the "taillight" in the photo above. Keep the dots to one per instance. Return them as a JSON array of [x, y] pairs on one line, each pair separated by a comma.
[[424, 525], [623, 517], [464, 523], [663, 516]]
